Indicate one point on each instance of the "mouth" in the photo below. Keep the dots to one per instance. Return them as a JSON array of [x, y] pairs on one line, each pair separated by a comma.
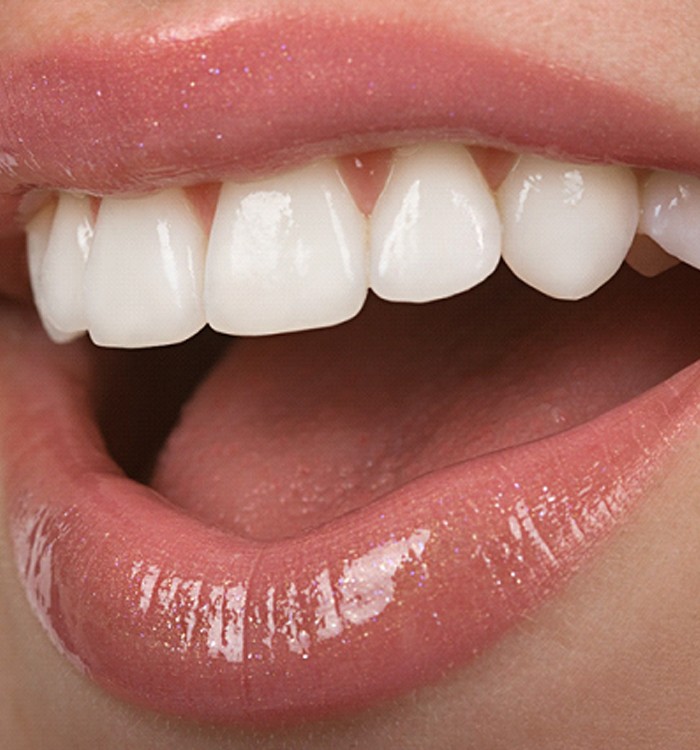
[[334, 507]]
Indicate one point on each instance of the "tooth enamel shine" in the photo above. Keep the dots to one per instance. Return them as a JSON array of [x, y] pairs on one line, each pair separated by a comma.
[[63, 268], [38, 238], [671, 214], [435, 230], [567, 227], [143, 281], [294, 252], [286, 254]]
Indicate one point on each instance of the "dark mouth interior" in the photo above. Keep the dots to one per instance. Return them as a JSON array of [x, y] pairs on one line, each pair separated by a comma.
[[141, 394], [272, 437]]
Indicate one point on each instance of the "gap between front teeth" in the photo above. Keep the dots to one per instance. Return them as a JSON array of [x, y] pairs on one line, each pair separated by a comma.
[[294, 252]]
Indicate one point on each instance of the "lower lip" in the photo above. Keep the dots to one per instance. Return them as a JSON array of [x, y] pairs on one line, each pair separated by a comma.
[[186, 619]]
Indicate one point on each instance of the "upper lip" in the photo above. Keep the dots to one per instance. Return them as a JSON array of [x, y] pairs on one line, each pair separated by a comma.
[[300, 99], [257, 94]]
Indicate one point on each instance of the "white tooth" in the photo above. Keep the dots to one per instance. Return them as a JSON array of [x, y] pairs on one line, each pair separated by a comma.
[[567, 227], [63, 269], [38, 235], [435, 230], [671, 214], [285, 254], [144, 275]]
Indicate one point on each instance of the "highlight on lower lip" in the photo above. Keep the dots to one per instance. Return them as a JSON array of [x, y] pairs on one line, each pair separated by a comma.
[[186, 619]]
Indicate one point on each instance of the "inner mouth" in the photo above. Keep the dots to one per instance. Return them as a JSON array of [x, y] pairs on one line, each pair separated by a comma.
[[273, 437]]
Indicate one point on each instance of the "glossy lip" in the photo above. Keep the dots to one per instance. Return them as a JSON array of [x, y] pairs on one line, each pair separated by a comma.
[[187, 619], [260, 94]]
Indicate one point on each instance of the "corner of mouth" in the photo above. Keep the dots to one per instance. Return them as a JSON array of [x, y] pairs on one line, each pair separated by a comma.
[[259, 623], [257, 614]]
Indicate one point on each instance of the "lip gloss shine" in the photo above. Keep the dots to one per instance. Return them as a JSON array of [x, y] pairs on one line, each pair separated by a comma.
[[187, 619], [262, 94]]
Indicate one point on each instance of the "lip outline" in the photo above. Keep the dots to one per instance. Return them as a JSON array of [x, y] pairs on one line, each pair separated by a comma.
[[484, 95], [79, 555], [274, 716]]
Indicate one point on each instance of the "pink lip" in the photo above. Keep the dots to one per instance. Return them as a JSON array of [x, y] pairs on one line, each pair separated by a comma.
[[187, 619], [263, 93]]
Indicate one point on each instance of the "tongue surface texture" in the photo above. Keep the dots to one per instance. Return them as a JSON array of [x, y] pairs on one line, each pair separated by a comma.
[[288, 432]]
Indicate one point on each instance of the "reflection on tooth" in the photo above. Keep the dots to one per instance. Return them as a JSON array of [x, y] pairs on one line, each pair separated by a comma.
[[671, 214], [285, 254], [567, 227], [144, 275], [63, 269], [38, 235], [435, 230]]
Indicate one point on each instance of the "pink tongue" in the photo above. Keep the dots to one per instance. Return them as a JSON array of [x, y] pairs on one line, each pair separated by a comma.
[[288, 432]]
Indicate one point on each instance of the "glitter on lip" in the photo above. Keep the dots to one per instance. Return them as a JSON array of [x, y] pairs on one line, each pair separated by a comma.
[[190, 620], [281, 93], [253, 635]]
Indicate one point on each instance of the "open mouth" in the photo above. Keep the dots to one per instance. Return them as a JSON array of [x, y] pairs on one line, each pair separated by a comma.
[[290, 526]]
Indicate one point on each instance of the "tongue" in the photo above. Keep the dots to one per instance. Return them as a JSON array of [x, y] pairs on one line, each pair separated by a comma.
[[288, 432]]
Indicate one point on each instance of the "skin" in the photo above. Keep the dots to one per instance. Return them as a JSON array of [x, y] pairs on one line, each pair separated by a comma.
[[610, 662]]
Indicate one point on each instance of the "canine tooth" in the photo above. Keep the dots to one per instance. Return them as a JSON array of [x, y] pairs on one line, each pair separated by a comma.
[[63, 269], [567, 227], [144, 275], [671, 214], [285, 254], [435, 230], [38, 235]]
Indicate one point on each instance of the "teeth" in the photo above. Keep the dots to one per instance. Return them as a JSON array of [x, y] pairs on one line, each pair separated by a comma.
[[671, 214], [38, 238], [294, 252], [286, 254], [63, 269], [567, 227], [144, 275], [435, 230]]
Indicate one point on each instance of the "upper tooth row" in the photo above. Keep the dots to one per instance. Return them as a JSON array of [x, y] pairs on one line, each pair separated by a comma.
[[293, 251]]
